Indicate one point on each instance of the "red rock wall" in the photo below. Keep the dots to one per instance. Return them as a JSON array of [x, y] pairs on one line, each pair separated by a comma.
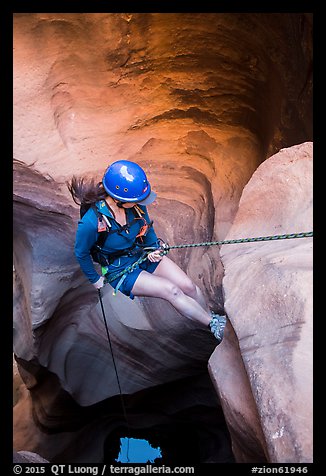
[[199, 100], [268, 290]]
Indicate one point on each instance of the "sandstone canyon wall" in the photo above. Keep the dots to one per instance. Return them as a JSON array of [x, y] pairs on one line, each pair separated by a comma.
[[268, 293], [200, 101]]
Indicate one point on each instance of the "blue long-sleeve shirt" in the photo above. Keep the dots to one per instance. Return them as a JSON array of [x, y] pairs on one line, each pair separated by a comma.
[[87, 235]]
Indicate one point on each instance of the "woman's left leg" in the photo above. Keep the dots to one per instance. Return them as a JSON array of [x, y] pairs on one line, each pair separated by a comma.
[[168, 269], [169, 282]]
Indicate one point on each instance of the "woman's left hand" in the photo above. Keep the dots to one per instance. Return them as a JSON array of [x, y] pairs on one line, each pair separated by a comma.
[[155, 256]]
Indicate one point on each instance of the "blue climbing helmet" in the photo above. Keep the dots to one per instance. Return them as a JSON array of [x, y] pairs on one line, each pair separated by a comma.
[[126, 181]]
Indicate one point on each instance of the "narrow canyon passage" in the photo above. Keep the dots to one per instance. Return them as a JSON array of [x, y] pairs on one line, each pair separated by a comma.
[[217, 108]]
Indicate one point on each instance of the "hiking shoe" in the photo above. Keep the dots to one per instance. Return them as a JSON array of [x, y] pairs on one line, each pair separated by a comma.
[[217, 325]]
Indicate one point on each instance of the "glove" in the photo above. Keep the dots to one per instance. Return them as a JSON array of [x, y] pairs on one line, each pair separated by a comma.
[[99, 283]]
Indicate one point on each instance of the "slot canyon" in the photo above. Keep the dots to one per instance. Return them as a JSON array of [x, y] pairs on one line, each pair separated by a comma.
[[217, 108]]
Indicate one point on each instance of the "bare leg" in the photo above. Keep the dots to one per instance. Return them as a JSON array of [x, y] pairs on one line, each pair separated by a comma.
[[171, 271], [151, 285]]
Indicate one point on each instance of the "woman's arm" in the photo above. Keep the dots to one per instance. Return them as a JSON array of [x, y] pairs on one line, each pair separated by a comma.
[[86, 237]]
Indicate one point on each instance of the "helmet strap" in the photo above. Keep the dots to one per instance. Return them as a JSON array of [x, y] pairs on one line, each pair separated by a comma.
[[119, 204]]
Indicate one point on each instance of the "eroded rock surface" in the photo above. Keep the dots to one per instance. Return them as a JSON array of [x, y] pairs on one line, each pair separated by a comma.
[[199, 101], [268, 296], [27, 457]]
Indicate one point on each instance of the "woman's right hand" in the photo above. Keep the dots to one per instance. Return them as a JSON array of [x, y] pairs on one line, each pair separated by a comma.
[[99, 283]]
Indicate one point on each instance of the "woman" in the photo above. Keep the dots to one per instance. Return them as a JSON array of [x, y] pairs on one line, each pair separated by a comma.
[[117, 206]]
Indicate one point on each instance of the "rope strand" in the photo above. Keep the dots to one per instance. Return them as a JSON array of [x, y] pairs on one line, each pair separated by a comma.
[[245, 240], [115, 369], [166, 248]]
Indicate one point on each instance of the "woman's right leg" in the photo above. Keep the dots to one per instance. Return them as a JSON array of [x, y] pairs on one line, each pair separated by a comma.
[[150, 285]]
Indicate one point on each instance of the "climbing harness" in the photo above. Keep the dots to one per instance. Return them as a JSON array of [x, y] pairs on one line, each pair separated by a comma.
[[165, 248], [145, 227], [123, 274], [104, 228], [115, 368]]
